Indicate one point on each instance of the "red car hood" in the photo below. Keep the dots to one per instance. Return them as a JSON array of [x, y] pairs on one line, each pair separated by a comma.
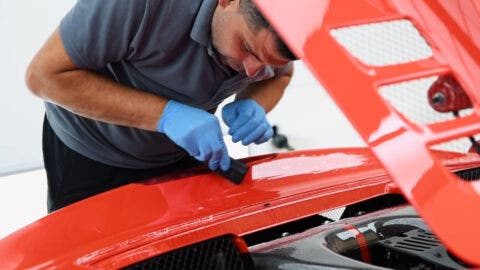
[[452, 29]]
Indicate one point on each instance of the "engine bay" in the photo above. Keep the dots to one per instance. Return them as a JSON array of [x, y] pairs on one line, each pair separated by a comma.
[[392, 238]]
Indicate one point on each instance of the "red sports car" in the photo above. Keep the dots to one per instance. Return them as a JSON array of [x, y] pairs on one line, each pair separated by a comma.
[[403, 202]]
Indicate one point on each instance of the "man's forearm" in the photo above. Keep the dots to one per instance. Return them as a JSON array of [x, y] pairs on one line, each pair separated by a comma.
[[93, 96], [267, 93], [53, 77]]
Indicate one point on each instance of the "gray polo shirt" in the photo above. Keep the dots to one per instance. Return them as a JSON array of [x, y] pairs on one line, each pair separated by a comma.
[[157, 46]]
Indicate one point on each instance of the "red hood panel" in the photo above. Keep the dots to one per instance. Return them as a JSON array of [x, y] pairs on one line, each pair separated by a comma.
[[452, 28]]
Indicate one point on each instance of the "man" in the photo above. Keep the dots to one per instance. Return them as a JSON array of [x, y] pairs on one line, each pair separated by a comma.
[[130, 87]]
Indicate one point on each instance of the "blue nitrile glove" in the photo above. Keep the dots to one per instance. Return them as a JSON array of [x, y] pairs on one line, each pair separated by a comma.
[[247, 122], [197, 131]]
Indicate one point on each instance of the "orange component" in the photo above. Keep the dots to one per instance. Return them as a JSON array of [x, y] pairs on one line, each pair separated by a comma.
[[362, 243], [240, 244]]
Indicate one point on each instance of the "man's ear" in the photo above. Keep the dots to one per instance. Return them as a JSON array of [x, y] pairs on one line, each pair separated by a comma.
[[224, 3]]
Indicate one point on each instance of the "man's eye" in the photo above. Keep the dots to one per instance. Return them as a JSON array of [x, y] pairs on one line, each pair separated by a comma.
[[245, 48]]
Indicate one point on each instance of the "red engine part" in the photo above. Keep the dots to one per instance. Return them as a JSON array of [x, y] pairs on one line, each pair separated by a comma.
[[447, 95]]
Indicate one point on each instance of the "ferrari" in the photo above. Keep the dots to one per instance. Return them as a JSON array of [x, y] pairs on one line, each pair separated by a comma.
[[405, 73]]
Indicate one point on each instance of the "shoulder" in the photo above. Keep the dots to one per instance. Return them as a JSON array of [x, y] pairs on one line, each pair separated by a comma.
[[172, 19], [174, 9]]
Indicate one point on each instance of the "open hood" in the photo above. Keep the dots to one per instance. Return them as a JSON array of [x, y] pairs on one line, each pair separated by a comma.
[[281, 216], [342, 43]]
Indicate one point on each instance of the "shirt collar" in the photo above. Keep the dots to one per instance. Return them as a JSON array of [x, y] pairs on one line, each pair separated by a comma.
[[203, 23], [202, 28]]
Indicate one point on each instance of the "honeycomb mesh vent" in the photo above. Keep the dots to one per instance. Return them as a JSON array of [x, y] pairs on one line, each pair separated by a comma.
[[215, 254], [383, 43], [410, 98]]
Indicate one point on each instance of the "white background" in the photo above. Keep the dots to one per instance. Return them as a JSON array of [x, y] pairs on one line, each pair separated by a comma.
[[306, 114]]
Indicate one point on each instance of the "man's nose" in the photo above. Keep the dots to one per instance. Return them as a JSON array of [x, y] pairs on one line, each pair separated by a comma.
[[252, 66]]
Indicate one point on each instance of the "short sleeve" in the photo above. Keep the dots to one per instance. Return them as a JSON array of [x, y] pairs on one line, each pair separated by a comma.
[[98, 32]]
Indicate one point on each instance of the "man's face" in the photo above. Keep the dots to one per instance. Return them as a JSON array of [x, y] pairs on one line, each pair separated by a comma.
[[239, 47]]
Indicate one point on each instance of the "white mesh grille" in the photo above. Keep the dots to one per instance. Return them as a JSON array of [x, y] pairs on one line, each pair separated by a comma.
[[410, 98], [384, 43], [461, 145], [334, 214]]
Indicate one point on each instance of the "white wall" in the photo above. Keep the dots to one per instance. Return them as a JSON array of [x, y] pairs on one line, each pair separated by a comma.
[[24, 26], [306, 114], [309, 117]]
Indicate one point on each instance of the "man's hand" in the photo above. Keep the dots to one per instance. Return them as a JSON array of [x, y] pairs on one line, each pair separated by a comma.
[[196, 131], [247, 122]]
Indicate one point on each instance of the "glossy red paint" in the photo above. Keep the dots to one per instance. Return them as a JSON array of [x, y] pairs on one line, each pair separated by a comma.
[[452, 29], [138, 221]]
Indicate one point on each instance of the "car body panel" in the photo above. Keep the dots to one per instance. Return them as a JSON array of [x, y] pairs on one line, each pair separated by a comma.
[[138, 221], [115, 228]]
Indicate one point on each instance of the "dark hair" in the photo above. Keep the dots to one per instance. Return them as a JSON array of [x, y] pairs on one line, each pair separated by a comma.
[[256, 21]]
